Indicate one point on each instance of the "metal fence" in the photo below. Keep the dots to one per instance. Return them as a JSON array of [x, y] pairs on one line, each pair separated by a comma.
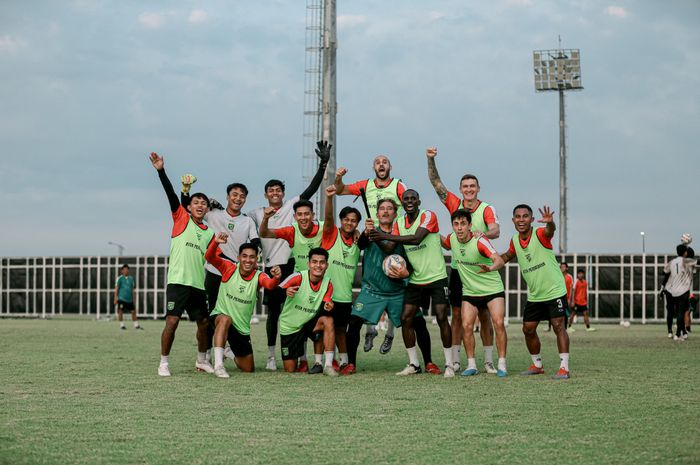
[[621, 287]]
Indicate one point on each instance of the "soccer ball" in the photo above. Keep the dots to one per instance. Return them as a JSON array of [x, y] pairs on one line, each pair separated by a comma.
[[686, 238], [626, 324], [393, 261]]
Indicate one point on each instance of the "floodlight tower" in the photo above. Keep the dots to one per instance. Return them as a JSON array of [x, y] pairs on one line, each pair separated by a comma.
[[559, 70]]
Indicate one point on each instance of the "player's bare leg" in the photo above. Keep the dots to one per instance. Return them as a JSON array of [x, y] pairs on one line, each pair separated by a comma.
[[222, 324], [120, 318], [246, 363], [469, 317], [497, 310], [446, 336], [203, 345], [135, 320], [325, 324], [532, 341], [166, 343], [456, 326], [409, 340], [486, 334], [563, 346]]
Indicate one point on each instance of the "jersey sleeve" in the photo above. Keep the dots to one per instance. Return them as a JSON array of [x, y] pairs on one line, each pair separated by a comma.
[[355, 187], [511, 247], [485, 248], [293, 280], [400, 189], [446, 241], [546, 241], [180, 220], [328, 296], [213, 256], [267, 282], [428, 220], [286, 233], [395, 229], [252, 230], [329, 237], [490, 215], [452, 202]]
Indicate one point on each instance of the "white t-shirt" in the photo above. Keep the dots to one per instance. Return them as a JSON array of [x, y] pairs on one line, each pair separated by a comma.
[[240, 229], [275, 251], [681, 270]]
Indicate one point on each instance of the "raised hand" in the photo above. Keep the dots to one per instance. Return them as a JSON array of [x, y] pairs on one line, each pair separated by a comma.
[[269, 212], [323, 151], [340, 172], [221, 238], [369, 224], [156, 161], [330, 191], [547, 215], [431, 152], [187, 180], [276, 271]]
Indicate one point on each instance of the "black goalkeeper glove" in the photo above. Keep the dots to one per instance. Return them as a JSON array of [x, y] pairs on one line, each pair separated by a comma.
[[323, 151]]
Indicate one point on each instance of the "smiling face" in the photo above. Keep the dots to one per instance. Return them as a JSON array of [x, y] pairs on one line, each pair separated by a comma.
[[410, 201], [522, 219], [248, 260], [198, 207], [317, 266], [469, 188], [274, 195], [304, 216], [236, 199], [382, 167], [349, 223]]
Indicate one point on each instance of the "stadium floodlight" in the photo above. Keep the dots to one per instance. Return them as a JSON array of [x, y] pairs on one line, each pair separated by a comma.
[[559, 70], [120, 248]]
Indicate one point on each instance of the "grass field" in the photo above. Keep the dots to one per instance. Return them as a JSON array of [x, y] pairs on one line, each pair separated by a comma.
[[77, 391]]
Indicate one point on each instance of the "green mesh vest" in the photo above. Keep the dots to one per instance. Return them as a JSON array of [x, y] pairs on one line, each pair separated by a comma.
[[298, 310], [375, 194], [426, 257], [466, 259], [302, 245], [342, 263], [540, 270], [186, 262], [237, 299]]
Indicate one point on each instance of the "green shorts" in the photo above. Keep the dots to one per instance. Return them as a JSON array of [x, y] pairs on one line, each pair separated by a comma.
[[370, 306]]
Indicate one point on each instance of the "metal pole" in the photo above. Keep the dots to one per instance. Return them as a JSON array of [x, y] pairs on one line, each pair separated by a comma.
[[644, 280], [562, 173], [329, 105]]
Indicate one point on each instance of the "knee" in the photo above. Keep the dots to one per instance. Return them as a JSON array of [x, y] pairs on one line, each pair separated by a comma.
[[468, 325], [529, 331]]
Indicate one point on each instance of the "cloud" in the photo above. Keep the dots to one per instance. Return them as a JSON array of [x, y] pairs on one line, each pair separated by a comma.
[[349, 21], [151, 20], [616, 11], [12, 45], [197, 17]]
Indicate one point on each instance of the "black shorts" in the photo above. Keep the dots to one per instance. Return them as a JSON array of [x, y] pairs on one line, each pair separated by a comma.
[[125, 306], [275, 297], [540, 311], [341, 314], [481, 301], [212, 282], [455, 289], [293, 344], [422, 295], [240, 343], [180, 298], [580, 308]]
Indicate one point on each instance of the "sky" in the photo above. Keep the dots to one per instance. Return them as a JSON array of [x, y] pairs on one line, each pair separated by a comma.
[[89, 88]]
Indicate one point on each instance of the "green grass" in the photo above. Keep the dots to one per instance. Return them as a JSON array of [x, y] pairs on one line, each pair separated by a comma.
[[76, 391]]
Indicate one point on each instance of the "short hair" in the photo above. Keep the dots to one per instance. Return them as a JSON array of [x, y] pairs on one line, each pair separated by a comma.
[[691, 253], [386, 199], [410, 190], [523, 205], [681, 249], [580, 270], [318, 251], [236, 185], [564, 263], [124, 266], [461, 213], [303, 203], [200, 195], [469, 176], [247, 245], [348, 210], [274, 183]]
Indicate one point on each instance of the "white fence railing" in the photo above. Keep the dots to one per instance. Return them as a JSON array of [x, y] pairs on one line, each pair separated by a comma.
[[620, 286]]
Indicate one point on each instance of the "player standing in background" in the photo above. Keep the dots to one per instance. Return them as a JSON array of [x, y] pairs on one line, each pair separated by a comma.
[[477, 263], [276, 252], [124, 297], [382, 293], [546, 290], [484, 220], [678, 277], [343, 256], [580, 301], [307, 314], [418, 231], [383, 186], [569, 281], [239, 228], [240, 283], [190, 238]]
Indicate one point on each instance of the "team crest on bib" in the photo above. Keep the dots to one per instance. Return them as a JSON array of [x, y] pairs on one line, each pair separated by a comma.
[[311, 299], [231, 226], [199, 236], [359, 306], [529, 257], [345, 254], [285, 351], [241, 288], [462, 251]]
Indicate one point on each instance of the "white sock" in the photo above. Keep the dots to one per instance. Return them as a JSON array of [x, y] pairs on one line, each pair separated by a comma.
[[471, 364], [343, 358], [121, 324], [502, 364], [448, 356], [455, 353], [329, 358], [228, 352], [318, 358], [208, 354], [413, 356], [537, 360], [136, 324], [389, 328], [164, 359], [201, 357], [218, 357], [271, 351], [564, 358], [488, 354]]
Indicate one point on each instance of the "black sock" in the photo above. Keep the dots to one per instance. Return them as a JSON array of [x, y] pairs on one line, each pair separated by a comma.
[[352, 338], [422, 338]]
